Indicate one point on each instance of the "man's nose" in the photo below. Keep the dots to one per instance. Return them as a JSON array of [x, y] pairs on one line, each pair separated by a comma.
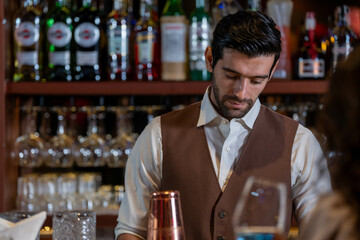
[[241, 88]]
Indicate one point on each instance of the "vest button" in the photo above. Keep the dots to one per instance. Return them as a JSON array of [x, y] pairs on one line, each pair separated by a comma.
[[221, 214], [221, 238]]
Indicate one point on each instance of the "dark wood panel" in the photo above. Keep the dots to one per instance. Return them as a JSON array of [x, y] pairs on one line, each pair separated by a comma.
[[153, 88]]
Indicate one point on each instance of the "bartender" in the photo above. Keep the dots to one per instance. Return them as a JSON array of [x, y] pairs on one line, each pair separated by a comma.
[[209, 149]]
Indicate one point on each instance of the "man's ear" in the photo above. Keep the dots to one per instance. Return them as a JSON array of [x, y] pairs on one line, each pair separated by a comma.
[[273, 70], [209, 59]]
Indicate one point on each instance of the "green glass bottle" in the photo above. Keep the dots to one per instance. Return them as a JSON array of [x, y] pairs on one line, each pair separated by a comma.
[[173, 24], [199, 40], [87, 28], [27, 46], [59, 38]]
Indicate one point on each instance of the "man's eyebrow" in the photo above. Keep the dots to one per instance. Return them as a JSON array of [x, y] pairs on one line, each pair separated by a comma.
[[233, 71]]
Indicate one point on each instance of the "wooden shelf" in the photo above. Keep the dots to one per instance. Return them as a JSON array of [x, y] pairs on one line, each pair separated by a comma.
[[153, 88]]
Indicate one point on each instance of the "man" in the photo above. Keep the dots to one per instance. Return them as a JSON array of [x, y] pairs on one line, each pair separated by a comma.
[[209, 149]]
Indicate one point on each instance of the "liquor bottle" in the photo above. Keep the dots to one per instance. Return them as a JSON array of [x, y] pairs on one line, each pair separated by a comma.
[[118, 29], [343, 38], [310, 62], [254, 5], [223, 8], [199, 40], [59, 38], [27, 46], [174, 51], [146, 48], [87, 43]]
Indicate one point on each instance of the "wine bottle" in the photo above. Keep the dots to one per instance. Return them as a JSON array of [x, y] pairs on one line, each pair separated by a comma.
[[27, 47], [174, 51], [146, 48], [87, 25], [199, 40], [118, 29], [58, 45]]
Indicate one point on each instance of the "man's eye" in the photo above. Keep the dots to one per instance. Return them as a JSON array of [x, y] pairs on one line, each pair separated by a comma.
[[255, 82], [231, 77]]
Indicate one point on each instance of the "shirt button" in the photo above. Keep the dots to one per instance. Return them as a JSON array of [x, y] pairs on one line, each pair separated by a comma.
[[221, 238], [227, 148], [222, 214]]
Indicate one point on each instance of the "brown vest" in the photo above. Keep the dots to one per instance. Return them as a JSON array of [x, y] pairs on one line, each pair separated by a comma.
[[187, 167]]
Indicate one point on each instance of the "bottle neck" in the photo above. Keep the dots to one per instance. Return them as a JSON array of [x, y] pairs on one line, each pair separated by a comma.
[[342, 16], [62, 3], [254, 5], [120, 5], [61, 124], [146, 8], [87, 3], [28, 3], [310, 25], [173, 8], [200, 4]]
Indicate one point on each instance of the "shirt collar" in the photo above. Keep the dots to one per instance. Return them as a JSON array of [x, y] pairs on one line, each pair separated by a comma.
[[209, 114]]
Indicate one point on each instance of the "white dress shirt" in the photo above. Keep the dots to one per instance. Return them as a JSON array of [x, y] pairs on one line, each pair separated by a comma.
[[225, 140]]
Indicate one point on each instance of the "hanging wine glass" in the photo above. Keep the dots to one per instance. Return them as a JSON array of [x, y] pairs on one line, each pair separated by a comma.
[[60, 148], [29, 148], [121, 146], [92, 148]]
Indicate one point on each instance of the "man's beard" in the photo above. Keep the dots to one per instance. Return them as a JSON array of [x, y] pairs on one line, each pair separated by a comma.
[[224, 110]]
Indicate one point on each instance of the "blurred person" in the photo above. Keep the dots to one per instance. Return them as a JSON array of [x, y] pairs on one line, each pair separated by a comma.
[[337, 214], [208, 150]]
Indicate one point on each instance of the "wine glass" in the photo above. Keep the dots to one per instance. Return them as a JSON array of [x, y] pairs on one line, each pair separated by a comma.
[[29, 148], [261, 211], [121, 146], [60, 147], [92, 148]]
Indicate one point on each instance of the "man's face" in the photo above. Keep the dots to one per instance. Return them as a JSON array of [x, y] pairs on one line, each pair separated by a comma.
[[237, 81]]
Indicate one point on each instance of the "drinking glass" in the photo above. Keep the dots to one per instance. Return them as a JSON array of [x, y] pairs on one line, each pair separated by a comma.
[[68, 197], [29, 148], [165, 219], [47, 192], [26, 199], [88, 184], [74, 225], [261, 210], [60, 147], [92, 148], [121, 146]]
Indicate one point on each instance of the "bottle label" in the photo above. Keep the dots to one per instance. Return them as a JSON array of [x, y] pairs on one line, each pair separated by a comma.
[[173, 41], [60, 58], [340, 52], [311, 68], [27, 58], [27, 34], [119, 41], [199, 41], [88, 58], [145, 42], [87, 34], [59, 34]]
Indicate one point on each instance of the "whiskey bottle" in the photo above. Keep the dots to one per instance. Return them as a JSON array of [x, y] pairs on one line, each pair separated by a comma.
[[174, 51], [310, 62], [146, 49], [87, 25], [199, 40], [59, 38], [118, 29], [27, 47], [343, 38]]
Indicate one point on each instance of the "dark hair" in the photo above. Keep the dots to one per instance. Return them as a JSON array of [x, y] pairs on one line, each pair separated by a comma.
[[251, 33], [340, 123]]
